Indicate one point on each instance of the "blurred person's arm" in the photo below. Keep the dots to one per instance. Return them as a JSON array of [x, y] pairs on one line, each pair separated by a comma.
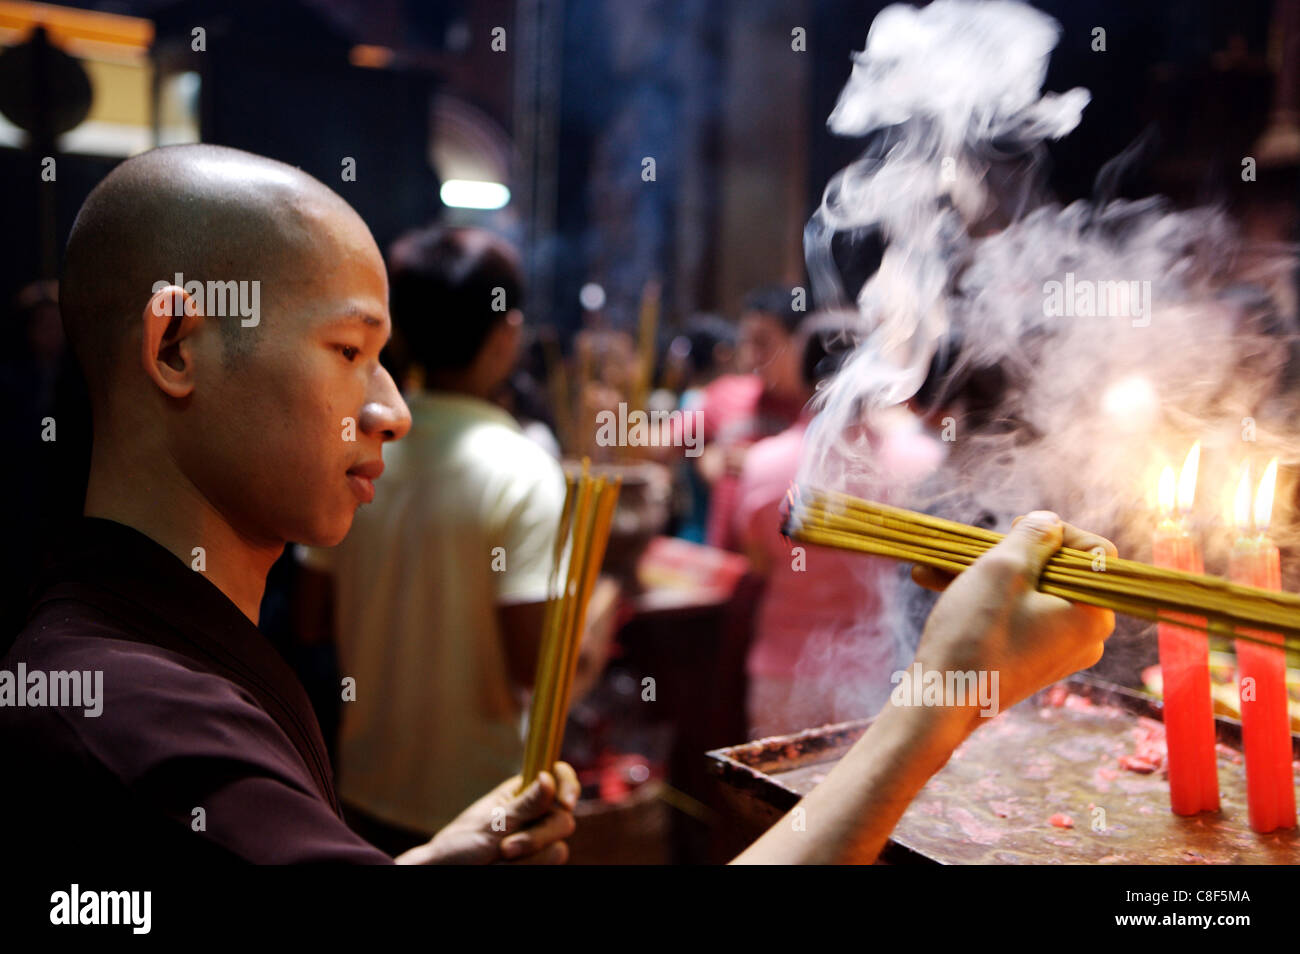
[[712, 463], [991, 618], [723, 460], [725, 406]]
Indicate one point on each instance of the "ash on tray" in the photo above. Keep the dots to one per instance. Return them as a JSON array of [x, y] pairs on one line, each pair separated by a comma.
[[977, 831], [1070, 777], [1150, 750], [1088, 753]]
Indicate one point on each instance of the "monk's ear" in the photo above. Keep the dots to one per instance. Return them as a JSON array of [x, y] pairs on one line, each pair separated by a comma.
[[167, 345]]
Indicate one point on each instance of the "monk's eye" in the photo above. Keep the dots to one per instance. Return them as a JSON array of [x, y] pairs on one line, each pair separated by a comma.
[[349, 352]]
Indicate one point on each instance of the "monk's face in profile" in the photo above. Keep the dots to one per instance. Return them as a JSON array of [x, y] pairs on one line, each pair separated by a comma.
[[287, 439], [270, 415]]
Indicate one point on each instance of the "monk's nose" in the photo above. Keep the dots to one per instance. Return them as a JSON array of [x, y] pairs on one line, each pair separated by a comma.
[[385, 413]]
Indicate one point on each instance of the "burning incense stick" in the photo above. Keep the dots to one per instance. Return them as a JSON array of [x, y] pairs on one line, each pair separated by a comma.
[[1136, 589], [581, 539]]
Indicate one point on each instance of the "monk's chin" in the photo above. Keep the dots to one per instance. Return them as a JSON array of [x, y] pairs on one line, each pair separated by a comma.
[[333, 534]]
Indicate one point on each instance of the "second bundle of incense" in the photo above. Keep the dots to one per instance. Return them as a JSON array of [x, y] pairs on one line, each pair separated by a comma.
[[1136, 589], [579, 551]]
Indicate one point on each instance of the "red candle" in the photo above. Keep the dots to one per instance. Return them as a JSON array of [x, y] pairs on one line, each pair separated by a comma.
[[1185, 660], [1265, 725]]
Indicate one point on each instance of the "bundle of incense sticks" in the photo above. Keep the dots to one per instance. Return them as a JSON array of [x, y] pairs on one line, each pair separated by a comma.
[[579, 551], [1207, 603]]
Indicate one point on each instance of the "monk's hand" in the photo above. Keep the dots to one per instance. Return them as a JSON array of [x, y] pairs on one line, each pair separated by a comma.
[[507, 825], [991, 618]]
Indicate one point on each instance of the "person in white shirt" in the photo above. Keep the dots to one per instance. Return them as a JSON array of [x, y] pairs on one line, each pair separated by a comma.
[[439, 588]]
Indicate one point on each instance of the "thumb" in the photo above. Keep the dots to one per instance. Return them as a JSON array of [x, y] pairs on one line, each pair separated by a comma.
[[1032, 539], [533, 801]]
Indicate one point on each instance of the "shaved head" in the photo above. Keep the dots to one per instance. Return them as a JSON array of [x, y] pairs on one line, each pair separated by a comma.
[[209, 213], [202, 416]]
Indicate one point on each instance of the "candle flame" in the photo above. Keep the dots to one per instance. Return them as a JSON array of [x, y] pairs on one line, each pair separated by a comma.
[[1167, 491], [1241, 503], [1264, 498], [1187, 479]]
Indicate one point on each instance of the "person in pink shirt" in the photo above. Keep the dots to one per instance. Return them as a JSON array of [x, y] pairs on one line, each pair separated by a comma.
[[739, 409], [823, 649]]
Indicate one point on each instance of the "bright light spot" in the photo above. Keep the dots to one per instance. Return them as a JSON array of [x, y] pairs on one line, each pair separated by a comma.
[[1168, 489], [1241, 503], [458, 36], [370, 57], [1132, 401], [592, 296], [467, 194], [187, 87], [1264, 499]]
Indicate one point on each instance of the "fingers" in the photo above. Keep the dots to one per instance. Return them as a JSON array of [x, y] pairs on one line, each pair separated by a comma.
[[568, 787], [1088, 627], [533, 802], [556, 853], [1026, 547], [930, 578], [1099, 623], [555, 827], [1030, 552], [1077, 539], [1083, 540]]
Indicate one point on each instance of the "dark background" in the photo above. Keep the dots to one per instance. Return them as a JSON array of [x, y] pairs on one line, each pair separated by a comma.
[[734, 118]]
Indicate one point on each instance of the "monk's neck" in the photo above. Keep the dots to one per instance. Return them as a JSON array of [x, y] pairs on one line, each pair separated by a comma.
[[162, 504]]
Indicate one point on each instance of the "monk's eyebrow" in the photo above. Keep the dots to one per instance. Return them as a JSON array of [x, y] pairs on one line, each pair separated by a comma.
[[357, 316]]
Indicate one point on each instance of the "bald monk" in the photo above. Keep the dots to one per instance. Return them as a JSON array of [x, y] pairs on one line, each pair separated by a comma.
[[221, 432], [216, 442]]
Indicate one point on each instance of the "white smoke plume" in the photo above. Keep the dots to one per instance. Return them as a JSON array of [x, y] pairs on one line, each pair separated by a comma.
[[1115, 332]]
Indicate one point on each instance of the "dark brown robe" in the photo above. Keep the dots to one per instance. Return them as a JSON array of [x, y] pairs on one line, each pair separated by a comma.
[[198, 712]]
